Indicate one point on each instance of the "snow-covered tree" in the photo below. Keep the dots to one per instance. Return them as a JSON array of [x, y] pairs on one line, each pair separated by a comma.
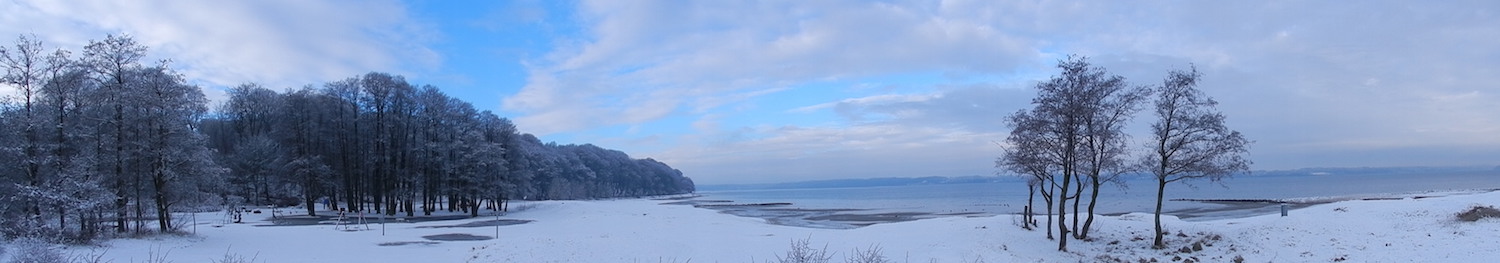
[[104, 139], [98, 130], [113, 60], [27, 69]]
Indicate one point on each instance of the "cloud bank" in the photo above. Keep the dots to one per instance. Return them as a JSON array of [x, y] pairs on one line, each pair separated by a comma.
[[760, 91], [279, 43], [1315, 84]]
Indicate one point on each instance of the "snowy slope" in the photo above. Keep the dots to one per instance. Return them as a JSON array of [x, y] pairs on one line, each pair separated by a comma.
[[1403, 230]]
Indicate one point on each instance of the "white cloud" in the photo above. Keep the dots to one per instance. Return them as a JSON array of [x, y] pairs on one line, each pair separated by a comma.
[[876, 99], [282, 44], [952, 131], [696, 52], [808, 153], [1309, 81]]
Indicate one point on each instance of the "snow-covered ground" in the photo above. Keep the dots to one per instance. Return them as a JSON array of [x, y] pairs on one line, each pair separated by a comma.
[[1404, 230]]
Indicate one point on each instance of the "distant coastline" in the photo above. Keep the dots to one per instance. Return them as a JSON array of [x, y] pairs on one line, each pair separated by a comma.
[[862, 182], [931, 180]]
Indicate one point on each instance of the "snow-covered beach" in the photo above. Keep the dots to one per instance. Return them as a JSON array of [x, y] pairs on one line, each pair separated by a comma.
[[1399, 229]]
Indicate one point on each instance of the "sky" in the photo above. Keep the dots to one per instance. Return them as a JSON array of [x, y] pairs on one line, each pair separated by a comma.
[[772, 91]]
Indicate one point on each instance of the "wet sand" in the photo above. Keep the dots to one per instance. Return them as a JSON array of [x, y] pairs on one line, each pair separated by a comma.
[[782, 213]]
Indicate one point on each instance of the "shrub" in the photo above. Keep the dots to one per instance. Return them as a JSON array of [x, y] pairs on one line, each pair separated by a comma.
[[869, 255], [230, 257], [802, 252], [36, 251], [1478, 212], [156, 255]]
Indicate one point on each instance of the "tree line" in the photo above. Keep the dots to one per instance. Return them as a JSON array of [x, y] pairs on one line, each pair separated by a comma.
[[377, 143], [1073, 141], [102, 144]]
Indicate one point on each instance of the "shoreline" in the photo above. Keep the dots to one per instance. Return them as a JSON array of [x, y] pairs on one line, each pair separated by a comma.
[[787, 214]]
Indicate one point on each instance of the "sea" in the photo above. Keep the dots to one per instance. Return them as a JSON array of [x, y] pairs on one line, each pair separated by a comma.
[[1133, 195]]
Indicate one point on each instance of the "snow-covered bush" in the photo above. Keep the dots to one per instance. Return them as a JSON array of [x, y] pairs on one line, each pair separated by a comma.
[[36, 251], [802, 252], [869, 255], [230, 257], [157, 255]]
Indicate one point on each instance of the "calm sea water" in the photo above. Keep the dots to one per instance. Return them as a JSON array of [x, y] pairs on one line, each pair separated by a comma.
[[1136, 196]]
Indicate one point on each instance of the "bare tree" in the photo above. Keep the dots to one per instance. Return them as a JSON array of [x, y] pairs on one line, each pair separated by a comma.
[[1189, 139], [1027, 155], [1105, 147], [1028, 215], [1073, 139]]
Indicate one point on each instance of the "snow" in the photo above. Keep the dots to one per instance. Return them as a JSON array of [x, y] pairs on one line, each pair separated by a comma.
[[1403, 230]]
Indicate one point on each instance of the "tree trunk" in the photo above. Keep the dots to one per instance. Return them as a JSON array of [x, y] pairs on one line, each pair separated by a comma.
[[1093, 200], [122, 210], [62, 219], [1030, 202], [1047, 200], [392, 205], [163, 210], [1161, 188], [1077, 200], [85, 229], [474, 208], [409, 206], [333, 202], [159, 182], [140, 206], [1062, 213], [307, 195], [1049, 221]]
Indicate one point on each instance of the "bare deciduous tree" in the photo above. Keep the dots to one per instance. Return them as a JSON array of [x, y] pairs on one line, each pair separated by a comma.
[[1189, 139], [1073, 138]]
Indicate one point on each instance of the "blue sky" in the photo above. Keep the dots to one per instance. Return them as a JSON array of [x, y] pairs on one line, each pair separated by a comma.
[[767, 91]]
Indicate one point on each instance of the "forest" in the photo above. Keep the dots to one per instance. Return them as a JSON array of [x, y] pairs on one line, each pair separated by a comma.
[[103, 144]]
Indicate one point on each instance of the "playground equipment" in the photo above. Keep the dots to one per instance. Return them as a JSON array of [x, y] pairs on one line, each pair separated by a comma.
[[351, 222]]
